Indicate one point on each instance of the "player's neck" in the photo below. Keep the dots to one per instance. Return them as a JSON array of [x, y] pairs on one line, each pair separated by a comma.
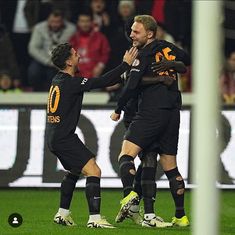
[[70, 71], [149, 41]]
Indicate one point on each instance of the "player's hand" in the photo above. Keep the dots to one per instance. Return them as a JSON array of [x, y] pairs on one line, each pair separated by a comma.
[[162, 66], [115, 116], [130, 55]]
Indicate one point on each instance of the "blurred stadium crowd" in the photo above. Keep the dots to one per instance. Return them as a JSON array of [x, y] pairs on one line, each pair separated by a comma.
[[30, 29]]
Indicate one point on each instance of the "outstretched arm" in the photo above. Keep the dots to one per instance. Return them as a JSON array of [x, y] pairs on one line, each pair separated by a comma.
[[131, 88], [112, 77]]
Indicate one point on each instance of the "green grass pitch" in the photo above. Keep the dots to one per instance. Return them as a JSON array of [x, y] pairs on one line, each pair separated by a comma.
[[39, 206]]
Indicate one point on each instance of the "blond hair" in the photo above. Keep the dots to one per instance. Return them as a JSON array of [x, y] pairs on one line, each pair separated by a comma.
[[149, 23]]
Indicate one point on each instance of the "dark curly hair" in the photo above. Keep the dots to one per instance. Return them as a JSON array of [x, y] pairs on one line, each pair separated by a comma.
[[60, 54]]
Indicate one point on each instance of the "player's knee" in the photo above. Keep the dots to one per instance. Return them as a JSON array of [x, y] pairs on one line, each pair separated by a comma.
[[129, 148], [149, 160], [96, 171], [93, 170], [168, 162], [177, 185], [128, 152]]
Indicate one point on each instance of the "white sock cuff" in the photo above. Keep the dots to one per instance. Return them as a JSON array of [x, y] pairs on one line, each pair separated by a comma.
[[149, 216], [63, 212], [94, 217]]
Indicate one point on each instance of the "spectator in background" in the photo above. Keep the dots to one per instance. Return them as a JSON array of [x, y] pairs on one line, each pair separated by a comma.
[[177, 19], [13, 17], [162, 33], [20, 16], [126, 9], [92, 46], [76, 7], [45, 37], [227, 80], [144, 7], [7, 85], [38, 10], [158, 10], [20, 39], [101, 18], [120, 41], [8, 63], [176, 16]]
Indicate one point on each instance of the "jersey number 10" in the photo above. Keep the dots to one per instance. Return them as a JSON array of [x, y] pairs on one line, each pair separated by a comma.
[[53, 93]]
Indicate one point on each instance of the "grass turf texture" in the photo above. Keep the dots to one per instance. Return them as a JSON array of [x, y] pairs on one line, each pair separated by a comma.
[[38, 208]]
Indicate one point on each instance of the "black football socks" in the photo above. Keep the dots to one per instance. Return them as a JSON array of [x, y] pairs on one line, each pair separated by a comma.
[[148, 185], [93, 194], [67, 187], [177, 187], [127, 173]]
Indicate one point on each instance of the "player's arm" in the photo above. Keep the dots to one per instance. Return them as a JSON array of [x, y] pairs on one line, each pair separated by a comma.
[[165, 65], [182, 59], [112, 77], [167, 80], [130, 89], [181, 55], [145, 80]]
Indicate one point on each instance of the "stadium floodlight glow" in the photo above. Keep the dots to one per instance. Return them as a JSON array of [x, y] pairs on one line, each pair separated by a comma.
[[206, 65]]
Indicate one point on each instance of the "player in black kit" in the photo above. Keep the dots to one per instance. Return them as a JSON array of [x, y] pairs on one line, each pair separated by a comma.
[[63, 111], [157, 119]]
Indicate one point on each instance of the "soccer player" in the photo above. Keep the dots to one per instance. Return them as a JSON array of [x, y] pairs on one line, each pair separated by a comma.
[[148, 157], [157, 119], [63, 111]]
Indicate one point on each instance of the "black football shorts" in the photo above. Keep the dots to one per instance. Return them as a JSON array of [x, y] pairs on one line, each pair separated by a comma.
[[159, 128], [72, 153], [168, 143]]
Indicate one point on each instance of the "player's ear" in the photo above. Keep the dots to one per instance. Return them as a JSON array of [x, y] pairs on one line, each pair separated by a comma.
[[69, 62], [150, 34]]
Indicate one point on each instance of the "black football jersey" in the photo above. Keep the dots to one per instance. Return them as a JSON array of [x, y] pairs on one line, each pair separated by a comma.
[[65, 99], [155, 95]]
